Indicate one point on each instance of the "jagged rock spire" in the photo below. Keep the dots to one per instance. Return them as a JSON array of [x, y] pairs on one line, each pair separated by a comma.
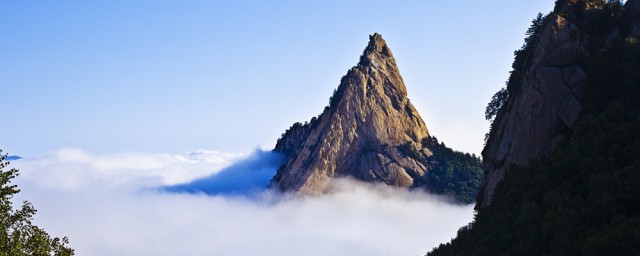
[[361, 134], [377, 49]]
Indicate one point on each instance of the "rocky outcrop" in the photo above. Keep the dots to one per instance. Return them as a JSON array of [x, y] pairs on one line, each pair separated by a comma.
[[549, 99], [548, 102], [370, 131]]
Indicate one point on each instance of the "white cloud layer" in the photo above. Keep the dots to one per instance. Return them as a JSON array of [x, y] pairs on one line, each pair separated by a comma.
[[75, 169], [98, 202]]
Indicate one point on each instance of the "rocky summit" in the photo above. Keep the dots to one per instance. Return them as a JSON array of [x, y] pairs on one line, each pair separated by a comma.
[[370, 131]]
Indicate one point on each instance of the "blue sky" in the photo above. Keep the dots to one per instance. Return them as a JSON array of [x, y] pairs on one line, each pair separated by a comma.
[[175, 76], [106, 99]]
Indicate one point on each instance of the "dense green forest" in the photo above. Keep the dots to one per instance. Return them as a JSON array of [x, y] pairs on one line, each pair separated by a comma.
[[451, 173], [18, 235], [584, 198]]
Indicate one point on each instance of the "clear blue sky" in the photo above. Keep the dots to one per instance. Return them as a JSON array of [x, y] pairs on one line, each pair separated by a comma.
[[175, 76]]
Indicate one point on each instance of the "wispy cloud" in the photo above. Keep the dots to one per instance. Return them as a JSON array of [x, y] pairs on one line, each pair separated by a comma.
[[98, 202]]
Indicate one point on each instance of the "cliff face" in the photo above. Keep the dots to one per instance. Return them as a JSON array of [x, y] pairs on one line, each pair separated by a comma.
[[565, 144], [549, 97], [364, 133], [549, 101]]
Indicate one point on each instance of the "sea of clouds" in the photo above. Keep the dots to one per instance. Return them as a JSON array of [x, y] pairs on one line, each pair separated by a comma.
[[211, 203]]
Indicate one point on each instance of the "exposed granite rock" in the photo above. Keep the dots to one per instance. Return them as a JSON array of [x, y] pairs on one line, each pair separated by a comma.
[[548, 102], [360, 134], [551, 92]]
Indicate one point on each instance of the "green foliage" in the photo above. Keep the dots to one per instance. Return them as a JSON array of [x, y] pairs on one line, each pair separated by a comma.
[[583, 198], [409, 150], [558, 5], [602, 22], [577, 8], [497, 101], [451, 173], [521, 59], [522, 56], [333, 100], [338, 92], [18, 235]]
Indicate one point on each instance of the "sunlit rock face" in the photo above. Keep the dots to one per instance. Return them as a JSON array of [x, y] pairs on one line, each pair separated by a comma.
[[362, 134]]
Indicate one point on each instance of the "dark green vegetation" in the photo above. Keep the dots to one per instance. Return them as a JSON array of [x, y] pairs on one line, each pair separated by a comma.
[[521, 59], [451, 173], [18, 236], [584, 199]]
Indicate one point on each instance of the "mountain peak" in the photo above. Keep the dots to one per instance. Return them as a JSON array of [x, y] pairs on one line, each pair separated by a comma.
[[376, 43], [376, 53], [370, 132]]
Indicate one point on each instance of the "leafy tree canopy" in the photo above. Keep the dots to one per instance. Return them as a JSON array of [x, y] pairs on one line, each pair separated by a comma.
[[18, 235]]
